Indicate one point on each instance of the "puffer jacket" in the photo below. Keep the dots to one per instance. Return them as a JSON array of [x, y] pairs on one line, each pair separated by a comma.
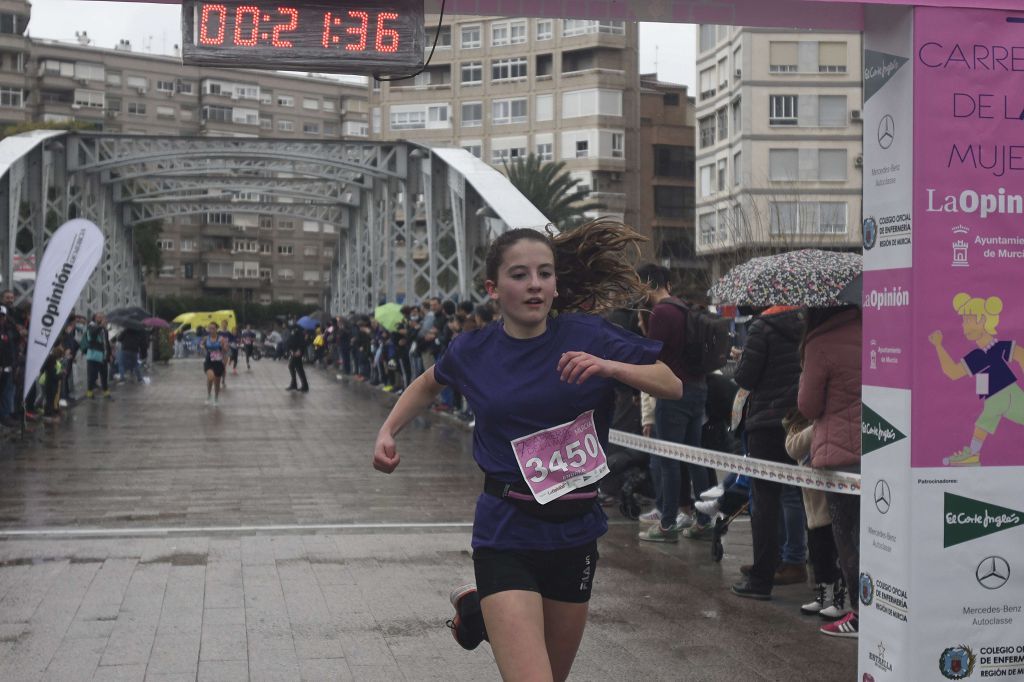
[[830, 391], [770, 368]]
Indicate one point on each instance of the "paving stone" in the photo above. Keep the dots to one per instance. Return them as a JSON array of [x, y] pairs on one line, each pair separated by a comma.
[[223, 671]]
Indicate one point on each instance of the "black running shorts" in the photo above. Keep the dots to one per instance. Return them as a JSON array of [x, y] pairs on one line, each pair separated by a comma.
[[217, 367], [565, 575]]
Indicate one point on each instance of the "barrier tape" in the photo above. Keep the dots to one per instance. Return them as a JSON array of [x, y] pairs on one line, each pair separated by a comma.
[[805, 477]]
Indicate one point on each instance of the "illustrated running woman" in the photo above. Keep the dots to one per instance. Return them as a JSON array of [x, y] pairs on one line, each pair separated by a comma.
[[989, 363], [541, 388], [215, 347]]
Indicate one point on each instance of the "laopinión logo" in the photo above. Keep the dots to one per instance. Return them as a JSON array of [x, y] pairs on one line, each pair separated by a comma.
[[957, 662], [53, 302], [867, 589], [869, 233]]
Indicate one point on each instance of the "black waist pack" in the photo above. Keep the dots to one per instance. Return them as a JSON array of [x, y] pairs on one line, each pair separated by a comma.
[[573, 505]]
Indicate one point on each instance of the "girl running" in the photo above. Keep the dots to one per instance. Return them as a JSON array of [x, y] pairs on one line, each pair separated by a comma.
[[541, 388], [215, 347]]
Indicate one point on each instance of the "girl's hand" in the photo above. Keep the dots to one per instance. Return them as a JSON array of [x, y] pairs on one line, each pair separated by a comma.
[[385, 456], [577, 366]]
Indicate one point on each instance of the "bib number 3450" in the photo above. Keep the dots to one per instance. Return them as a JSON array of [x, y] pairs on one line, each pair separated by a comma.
[[556, 461]]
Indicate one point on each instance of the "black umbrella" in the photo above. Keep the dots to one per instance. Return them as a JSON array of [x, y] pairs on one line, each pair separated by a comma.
[[133, 312], [853, 292], [126, 322]]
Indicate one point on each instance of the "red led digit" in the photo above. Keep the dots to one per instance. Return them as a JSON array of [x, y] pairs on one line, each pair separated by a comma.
[[361, 31], [388, 34], [204, 24], [325, 39], [290, 26], [240, 13]]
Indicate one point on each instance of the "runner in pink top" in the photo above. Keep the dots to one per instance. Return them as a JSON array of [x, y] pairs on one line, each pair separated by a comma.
[[541, 388]]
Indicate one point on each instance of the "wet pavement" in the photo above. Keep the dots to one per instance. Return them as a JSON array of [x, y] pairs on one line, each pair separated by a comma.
[[153, 538]]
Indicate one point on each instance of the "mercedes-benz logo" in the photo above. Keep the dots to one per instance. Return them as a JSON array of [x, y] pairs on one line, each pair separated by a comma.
[[883, 496], [886, 131], [993, 572]]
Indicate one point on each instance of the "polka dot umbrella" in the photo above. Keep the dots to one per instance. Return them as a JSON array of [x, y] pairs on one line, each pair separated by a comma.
[[809, 277]]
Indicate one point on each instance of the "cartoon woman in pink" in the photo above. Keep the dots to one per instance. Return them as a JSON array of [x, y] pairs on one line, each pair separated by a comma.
[[989, 364]]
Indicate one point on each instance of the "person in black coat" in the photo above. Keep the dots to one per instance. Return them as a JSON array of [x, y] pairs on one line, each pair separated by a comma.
[[296, 348], [770, 369]]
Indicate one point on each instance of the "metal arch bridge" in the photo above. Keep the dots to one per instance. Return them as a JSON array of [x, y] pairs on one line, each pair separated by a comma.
[[410, 221]]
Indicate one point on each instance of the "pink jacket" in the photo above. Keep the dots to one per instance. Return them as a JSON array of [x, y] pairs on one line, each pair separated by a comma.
[[830, 391]]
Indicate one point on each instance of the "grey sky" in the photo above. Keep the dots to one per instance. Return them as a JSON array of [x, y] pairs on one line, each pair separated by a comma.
[[157, 29]]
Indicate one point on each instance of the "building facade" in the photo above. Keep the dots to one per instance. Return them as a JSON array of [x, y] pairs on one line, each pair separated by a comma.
[[244, 256], [15, 52], [503, 87], [779, 162]]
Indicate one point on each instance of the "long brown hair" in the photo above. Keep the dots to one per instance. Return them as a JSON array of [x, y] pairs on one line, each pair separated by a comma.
[[595, 264]]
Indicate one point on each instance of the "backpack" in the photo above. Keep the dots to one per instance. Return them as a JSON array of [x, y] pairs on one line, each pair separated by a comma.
[[708, 339]]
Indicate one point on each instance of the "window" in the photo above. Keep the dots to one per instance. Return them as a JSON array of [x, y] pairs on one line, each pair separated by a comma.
[[249, 117], [90, 72], [546, 151], [188, 270], [219, 219], [408, 120], [500, 154], [165, 86], [244, 246], [286, 224], [137, 108], [707, 37], [353, 129], [266, 123], [438, 114], [499, 34], [618, 145], [737, 118], [470, 37], [783, 217], [328, 253], [826, 217], [265, 274], [737, 178], [310, 104], [721, 175], [444, 36], [782, 57], [831, 57], [782, 110], [723, 123], [832, 165], [285, 101], [137, 82], [164, 111], [311, 128], [216, 114], [476, 150], [285, 274], [285, 126], [579, 27], [544, 107], [832, 111], [472, 114], [266, 248], [165, 244], [114, 78], [507, 69], [670, 99], [168, 271], [328, 105], [285, 249], [707, 224], [593, 102], [707, 83], [310, 250], [187, 245], [332, 129], [673, 161], [504, 111], [518, 32], [706, 126], [91, 99], [582, 149], [673, 202], [310, 275], [545, 29], [832, 218], [723, 73], [783, 165], [472, 73], [220, 269], [310, 226], [706, 188]]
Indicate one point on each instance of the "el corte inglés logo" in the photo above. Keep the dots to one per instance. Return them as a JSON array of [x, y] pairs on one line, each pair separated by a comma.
[[967, 519], [876, 432]]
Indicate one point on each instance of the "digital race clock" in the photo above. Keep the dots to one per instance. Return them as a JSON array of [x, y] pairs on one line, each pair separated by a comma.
[[366, 36]]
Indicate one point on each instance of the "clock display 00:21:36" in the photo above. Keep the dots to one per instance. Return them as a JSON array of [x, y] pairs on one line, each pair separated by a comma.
[[224, 25]]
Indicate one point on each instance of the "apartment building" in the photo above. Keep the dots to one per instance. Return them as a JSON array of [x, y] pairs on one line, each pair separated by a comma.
[[502, 87], [258, 258], [15, 50], [664, 179], [779, 162]]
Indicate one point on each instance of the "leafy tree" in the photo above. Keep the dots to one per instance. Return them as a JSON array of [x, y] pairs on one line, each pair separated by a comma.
[[146, 235], [549, 187], [26, 126]]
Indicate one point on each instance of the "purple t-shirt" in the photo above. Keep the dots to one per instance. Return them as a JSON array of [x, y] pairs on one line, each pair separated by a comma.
[[514, 389], [993, 361]]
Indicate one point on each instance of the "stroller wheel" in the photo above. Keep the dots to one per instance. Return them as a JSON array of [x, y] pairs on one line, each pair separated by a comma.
[[717, 551]]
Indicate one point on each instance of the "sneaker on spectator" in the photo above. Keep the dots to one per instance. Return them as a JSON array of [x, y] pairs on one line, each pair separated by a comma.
[[89, 394], [653, 516], [837, 609], [658, 534], [822, 596], [31, 416], [847, 626], [684, 520], [387, 388], [749, 590], [468, 624], [791, 574], [698, 531], [63, 403], [712, 493], [707, 507]]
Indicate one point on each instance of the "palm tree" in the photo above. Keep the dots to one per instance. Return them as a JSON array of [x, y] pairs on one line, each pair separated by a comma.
[[552, 190]]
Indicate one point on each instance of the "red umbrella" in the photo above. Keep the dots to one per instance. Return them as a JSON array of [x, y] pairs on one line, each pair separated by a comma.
[[156, 322]]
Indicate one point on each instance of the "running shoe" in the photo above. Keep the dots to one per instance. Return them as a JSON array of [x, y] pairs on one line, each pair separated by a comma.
[[712, 493], [215, 402], [89, 394], [209, 401], [652, 516], [847, 626], [964, 458], [468, 624], [698, 531], [658, 534], [707, 507]]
